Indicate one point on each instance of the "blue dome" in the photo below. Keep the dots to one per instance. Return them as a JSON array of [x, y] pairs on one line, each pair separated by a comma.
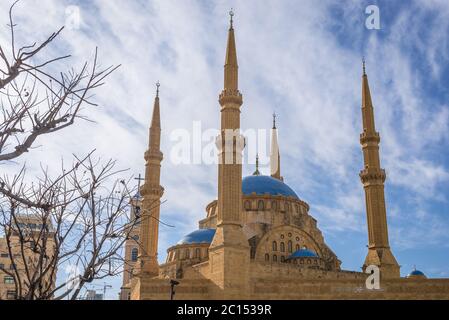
[[265, 184], [303, 253], [416, 273], [198, 236]]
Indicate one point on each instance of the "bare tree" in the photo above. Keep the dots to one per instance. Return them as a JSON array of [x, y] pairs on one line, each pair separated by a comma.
[[78, 218], [26, 114]]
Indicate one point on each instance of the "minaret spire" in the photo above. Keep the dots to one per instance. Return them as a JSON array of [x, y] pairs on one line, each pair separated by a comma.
[[275, 156], [152, 192], [373, 178], [231, 65]]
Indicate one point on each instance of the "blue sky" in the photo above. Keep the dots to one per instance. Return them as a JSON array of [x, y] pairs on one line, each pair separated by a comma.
[[301, 59]]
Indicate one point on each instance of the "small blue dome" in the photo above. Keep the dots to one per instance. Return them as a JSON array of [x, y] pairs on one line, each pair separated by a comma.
[[416, 273], [198, 236], [303, 253], [265, 184]]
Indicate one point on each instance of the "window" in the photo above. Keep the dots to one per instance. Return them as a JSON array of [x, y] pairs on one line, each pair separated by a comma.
[[275, 246], [2, 266], [274, 205], [287, 207], [187, 254], [11, 266], [137, 211], [267, 257], [247, 205], [8, 280], [290, 246], [282, 259], [282, 247], [134, 254], [11, 294], [4, 255], [296, 208], [297, 247], [197, 253], [275, 258], [260, 205]]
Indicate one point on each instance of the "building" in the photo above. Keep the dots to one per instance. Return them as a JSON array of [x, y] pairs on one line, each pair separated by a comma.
[[259, 239], [12, 257], [131, 247]]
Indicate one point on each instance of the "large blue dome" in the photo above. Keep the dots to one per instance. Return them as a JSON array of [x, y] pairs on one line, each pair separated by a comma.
[[265, 184], [198, 236]]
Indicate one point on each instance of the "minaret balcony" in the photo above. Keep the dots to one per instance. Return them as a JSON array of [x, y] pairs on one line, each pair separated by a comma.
[[230, 96], [369, 138], [152, 190], [153, 155], [373, 176]]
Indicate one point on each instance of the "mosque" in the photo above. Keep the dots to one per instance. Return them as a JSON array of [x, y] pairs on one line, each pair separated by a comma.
[[259, 239]]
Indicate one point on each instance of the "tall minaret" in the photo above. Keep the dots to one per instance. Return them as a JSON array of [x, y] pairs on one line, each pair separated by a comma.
[[275, 156], [373, 178], [151, 192], [229, 250]]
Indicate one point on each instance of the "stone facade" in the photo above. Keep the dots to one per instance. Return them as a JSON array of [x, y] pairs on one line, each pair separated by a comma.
[[259, 240]]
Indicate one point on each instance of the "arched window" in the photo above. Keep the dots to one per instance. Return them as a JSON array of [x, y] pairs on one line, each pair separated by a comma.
[[274, 205], [275, 258], [275, 246], [134, 254], [187, 254], [297, 247], [260, 205], [287, 207], [309, 261], [247, 205], [197, 253], [282, 247], [267, 257], [290, 246]]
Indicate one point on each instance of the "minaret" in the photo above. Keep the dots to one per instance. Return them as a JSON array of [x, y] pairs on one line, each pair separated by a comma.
[[151, 192], [275, 156], [373, 178], [229, 251]]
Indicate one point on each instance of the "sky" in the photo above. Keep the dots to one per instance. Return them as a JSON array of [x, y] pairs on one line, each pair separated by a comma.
[[300, 59]]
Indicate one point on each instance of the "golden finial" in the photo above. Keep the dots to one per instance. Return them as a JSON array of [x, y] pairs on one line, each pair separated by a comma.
[[274, 120], [231, 14], [363, 63], [157, 89]]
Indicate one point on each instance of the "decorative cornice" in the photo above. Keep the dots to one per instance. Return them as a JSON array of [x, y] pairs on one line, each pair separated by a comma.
[[153, 155], [230, 96], [152, 190], [371, 176], [371, 137]]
